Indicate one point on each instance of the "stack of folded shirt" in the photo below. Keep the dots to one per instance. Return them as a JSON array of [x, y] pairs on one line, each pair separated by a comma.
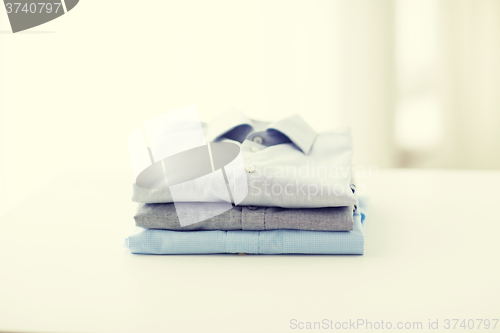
[[299, 193]]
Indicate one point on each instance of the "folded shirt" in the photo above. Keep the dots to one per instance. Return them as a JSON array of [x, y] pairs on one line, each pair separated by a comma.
[[155, 241], [287, 164], [164, 216]]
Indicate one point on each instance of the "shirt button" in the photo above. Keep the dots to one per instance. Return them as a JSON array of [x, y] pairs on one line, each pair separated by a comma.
[[255, 149], [257, 139], [250, 168], [252, 207]]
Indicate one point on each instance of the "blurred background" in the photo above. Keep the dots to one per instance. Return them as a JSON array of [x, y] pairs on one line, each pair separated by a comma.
[[417, 80]]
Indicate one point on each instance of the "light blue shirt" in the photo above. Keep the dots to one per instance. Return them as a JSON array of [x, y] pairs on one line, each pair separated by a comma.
[[155, 241]]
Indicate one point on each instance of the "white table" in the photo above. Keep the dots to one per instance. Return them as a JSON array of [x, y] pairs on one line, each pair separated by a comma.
[[431, 253]]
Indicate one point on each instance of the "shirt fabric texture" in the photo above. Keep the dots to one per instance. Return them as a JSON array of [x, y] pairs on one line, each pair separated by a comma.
[[164, 216], [288, 164], [155, 241]]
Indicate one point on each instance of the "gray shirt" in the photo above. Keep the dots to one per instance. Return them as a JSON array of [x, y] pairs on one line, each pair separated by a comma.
[[163, 216]]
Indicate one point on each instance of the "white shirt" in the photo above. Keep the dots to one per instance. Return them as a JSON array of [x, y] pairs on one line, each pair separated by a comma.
[[287, 163]]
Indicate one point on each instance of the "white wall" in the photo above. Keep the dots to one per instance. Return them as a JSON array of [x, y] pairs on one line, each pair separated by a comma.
[[448, 66], [74, 88], [471, 84]]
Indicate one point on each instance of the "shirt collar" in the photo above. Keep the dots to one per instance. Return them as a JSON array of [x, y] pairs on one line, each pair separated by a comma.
[[227, 122], [293, 127], [297, 130]]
